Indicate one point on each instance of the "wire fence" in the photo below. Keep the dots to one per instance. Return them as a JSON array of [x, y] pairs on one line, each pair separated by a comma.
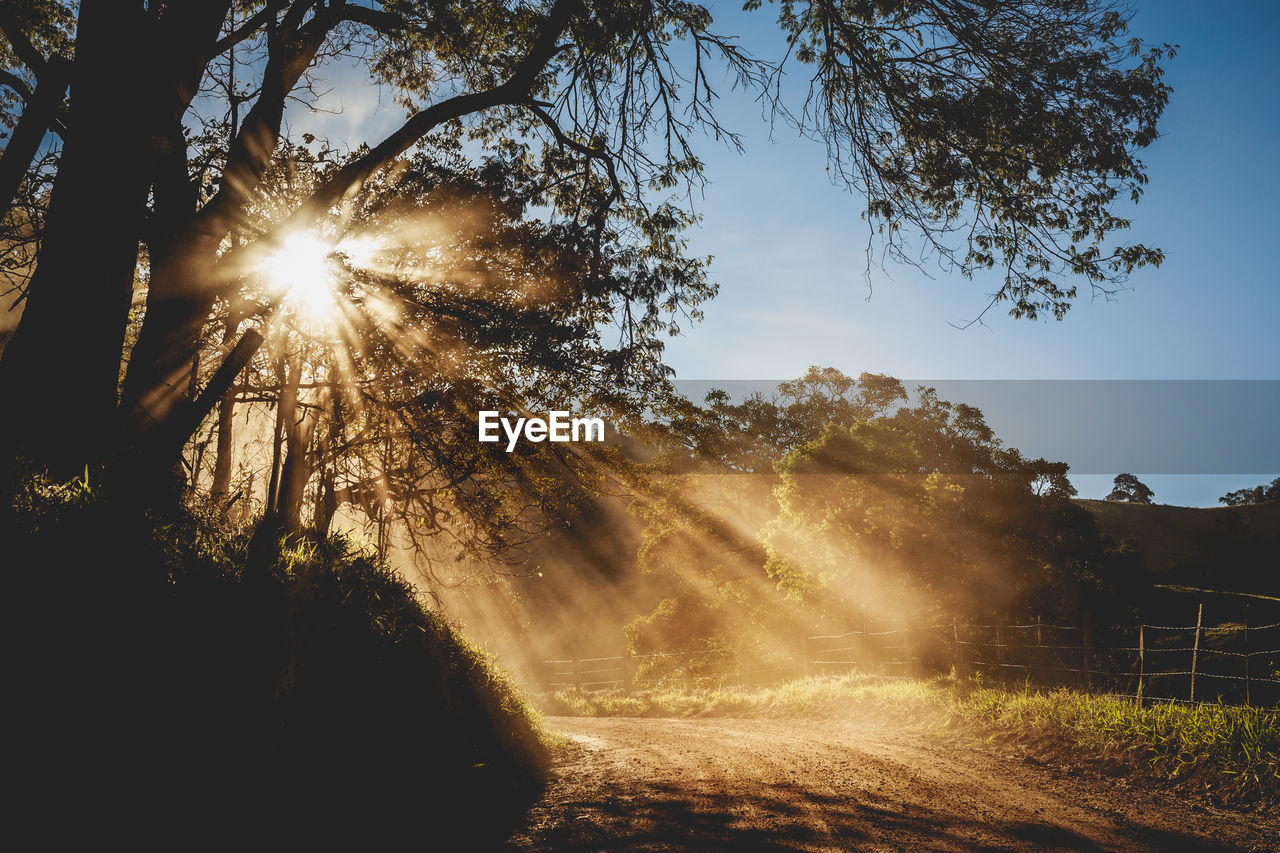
[[1235, 663]]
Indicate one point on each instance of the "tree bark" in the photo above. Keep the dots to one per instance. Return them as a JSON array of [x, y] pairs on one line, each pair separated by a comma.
[[61, 369], [226, 427], [326, 461], [133, 69], [284, 411], [297, 470], [37, 117]]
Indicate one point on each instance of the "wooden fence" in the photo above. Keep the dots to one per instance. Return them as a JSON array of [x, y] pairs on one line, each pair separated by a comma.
[[1237, 663]]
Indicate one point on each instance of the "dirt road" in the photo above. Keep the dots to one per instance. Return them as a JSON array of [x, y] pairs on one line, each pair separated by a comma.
[[720, 784]]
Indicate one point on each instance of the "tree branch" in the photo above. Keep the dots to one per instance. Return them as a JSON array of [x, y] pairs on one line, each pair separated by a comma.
[[585, 150], [22, 46], [17, 84], [375, 19], [169, 437], [254, 23], [38, 116], [514, 91], [290, 53]]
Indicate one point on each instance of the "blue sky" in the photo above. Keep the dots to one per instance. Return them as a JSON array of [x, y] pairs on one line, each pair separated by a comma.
[[789, 251], [789, 246]]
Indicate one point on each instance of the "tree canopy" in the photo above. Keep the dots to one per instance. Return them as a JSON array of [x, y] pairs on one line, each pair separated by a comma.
[[1128, 488], [1269, 493], [1004, 136], [838, 501]]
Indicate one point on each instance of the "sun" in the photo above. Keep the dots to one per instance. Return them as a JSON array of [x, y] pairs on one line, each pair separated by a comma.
[[298, 271]]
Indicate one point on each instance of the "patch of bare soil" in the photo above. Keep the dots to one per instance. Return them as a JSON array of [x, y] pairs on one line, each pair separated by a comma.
[[729, 784]]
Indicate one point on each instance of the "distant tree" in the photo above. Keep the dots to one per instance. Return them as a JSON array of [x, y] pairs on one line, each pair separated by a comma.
[[1128, 488], [1250, 497], [1050, 478], [926, 510], [860, 497]]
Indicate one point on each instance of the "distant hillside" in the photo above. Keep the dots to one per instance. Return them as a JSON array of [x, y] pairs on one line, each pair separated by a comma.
[[1217, 548]]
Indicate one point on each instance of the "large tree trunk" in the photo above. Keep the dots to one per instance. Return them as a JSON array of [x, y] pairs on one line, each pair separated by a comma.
[[326, 464], [226, 435], [186, 282], [179, 302], [297, 470], [61, 369]]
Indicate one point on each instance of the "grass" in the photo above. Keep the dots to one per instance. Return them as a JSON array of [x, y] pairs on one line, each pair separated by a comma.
[[1230, 753], [1219, 547]]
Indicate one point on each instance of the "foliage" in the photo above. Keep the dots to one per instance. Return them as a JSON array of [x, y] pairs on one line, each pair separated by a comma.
[[700, 551], [810, 698], [306, 679], [1269, 493], [47, 28], [926, 508], [1130, 489], [1005, 134], [699, 557], [453, 298], [953, 119], [839, 500], [1231, 750]]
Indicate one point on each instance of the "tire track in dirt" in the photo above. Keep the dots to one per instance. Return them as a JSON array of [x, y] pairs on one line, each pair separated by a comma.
[[726, 784]]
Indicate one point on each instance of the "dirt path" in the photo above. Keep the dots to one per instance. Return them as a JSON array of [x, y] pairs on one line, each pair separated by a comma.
[[720, 784]]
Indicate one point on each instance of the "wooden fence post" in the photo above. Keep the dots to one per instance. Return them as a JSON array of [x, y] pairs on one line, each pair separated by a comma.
[[1040, 675], [1000, 646], [960, 662], [913, 666], [1086, 631], [626, 667], [577, 672], [1195, 650], [1247, 698], [1142, 663], [804, 654]]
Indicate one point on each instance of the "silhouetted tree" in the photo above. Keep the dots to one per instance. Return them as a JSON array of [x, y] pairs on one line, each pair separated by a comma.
[[1269, 493], [1128, 488], [1018, 121], [364, 412]]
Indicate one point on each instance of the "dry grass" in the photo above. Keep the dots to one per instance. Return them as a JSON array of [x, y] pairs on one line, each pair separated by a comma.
[[1231, 753]]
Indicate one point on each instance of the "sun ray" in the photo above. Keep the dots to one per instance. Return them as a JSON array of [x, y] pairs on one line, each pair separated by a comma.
[[298, 271]]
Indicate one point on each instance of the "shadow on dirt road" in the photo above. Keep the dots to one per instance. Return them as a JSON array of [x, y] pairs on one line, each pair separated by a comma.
[[710, 785]]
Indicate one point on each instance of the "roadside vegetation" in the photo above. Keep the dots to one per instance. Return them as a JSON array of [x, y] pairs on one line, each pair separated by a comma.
[[1229, 754], [227, 678]]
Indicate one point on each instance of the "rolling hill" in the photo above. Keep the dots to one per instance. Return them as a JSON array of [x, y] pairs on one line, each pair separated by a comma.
[[1223, 554]]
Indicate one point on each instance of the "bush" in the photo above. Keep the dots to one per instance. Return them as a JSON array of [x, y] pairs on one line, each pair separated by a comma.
[[180, 679]]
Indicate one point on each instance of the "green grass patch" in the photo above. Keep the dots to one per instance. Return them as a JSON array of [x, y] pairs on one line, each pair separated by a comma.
[[1230, 751]]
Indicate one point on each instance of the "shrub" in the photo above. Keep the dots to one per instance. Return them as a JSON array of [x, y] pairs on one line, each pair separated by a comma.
[[183, 679]]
